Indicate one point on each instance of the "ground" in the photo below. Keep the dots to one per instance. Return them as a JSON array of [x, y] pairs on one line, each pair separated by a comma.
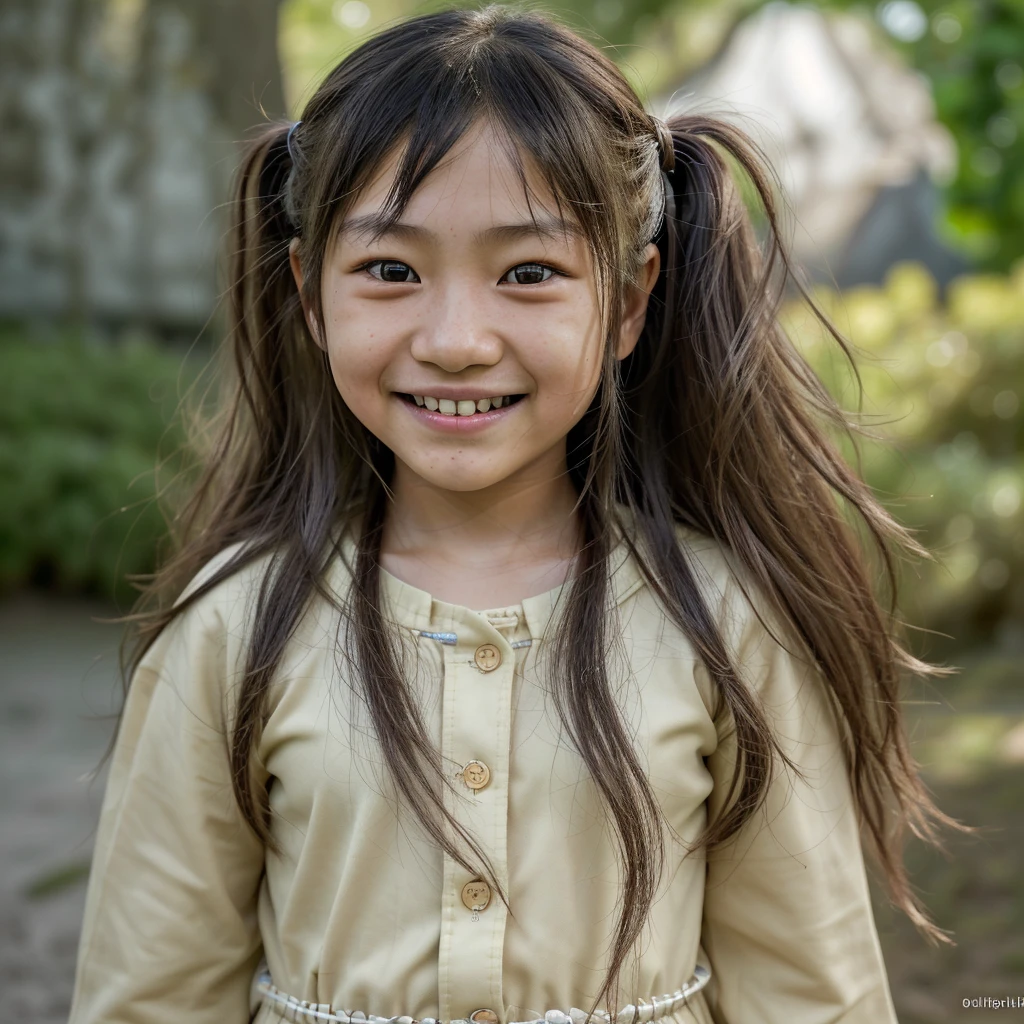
[[58, 680]]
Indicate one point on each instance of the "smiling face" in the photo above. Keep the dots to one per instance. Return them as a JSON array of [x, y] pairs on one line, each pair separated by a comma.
[[464, 301]]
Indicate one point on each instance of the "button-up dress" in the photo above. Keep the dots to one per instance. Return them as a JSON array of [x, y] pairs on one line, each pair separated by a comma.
[[359, 911]]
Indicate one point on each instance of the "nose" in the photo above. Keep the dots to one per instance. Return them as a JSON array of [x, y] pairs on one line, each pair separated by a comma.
[[457, 329]]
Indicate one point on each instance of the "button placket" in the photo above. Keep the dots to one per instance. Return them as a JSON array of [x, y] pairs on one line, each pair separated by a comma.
[[476, 733]]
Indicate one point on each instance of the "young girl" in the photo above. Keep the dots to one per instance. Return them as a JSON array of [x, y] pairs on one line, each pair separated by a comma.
[[517, 663]]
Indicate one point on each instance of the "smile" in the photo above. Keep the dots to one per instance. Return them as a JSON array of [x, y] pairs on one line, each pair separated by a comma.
[[467, 407], [447, 414]]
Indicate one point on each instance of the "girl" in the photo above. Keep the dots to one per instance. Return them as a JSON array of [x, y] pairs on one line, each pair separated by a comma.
[[516, 664]]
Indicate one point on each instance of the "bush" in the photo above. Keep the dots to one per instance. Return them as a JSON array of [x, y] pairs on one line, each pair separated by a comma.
[[81, 425], [942, 386]]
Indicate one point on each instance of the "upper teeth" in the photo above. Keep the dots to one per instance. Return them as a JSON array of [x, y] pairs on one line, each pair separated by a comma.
[[449, 407]]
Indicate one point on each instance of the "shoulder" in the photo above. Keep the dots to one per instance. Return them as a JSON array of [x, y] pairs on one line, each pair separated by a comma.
[[212, 615], [711, 560], [228, 584], [731, 596], [720, 574], [734, 595], [742, 605], [234, 568]]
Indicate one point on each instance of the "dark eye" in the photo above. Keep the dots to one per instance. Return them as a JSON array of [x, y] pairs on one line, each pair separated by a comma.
[[529, 273], [391, 271]]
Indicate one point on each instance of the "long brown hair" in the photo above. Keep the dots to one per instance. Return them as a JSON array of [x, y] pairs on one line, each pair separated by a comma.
[[714, 422]]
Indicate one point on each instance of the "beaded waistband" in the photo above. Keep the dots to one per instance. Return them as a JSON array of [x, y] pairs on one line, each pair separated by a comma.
[[297, 1010]]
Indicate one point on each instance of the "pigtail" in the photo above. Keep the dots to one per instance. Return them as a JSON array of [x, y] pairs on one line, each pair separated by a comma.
[[759, 472], [260, 285], [270, 479]]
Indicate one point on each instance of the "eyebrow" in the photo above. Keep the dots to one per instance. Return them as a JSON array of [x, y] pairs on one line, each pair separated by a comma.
[[373, 226]]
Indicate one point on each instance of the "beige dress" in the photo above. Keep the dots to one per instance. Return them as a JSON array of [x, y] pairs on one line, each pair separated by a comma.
[[360, 911]]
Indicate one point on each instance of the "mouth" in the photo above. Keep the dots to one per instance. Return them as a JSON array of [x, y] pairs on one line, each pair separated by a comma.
[[458, 410], [455, 423]]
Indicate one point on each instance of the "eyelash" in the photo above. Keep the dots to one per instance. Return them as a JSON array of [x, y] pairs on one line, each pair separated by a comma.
[[529, 263]]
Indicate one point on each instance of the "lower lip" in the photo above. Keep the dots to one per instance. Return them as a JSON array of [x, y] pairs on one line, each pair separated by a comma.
[[459, 424]]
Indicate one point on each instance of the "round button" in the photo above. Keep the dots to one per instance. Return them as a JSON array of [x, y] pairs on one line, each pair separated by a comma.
[[476, 895], [484, 1016], [487, 657], [476, 774]]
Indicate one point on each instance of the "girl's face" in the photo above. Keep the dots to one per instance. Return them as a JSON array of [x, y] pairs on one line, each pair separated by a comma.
[[465, 301]]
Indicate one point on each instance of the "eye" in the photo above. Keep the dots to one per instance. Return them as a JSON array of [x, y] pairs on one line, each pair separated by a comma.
[[530, 273], [391, 271]]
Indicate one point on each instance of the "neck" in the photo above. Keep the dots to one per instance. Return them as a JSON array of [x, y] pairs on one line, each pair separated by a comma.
[[514, 520]]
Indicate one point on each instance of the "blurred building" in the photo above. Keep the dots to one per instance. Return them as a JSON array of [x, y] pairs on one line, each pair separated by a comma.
[[849, 129]]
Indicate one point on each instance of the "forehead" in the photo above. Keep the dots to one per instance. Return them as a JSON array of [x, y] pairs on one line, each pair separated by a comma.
[[475, 187]]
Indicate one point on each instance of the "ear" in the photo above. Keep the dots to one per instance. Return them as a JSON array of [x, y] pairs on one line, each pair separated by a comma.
[[634, 311], [296, 265]]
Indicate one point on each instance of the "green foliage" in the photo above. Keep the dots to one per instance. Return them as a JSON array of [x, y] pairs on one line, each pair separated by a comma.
[[81, 425], [942, 390]]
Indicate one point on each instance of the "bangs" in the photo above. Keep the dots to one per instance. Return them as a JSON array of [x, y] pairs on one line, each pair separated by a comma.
[[417, 110]]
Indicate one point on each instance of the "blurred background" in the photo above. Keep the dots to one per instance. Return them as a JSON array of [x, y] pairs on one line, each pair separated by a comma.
[[896, 134]]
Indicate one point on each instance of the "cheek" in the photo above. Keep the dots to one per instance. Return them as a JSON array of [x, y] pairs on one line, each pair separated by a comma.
[[351, 360], [358, 383], [570, 360], [357, 349], [357, 378]]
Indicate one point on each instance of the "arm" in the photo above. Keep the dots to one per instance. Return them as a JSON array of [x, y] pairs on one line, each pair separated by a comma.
[[788, 925], [170, 930]]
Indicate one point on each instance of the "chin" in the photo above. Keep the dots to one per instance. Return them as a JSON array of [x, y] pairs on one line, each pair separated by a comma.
[[460, 482]]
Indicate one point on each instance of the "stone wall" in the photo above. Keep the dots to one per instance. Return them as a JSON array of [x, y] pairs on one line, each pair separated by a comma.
[[120, 122]]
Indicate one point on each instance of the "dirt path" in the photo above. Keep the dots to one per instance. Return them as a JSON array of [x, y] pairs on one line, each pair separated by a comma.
[[57, 674]]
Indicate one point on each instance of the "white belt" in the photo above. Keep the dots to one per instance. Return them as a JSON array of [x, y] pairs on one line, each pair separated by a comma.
[[297, 1010]]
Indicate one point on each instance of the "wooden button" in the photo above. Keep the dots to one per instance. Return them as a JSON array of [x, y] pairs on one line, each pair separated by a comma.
[[484, 1017], [476, 895], [487, 657], [476, 774]]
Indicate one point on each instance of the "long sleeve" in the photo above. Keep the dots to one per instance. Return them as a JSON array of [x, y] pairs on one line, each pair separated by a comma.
[[170, 931], [788, 925]]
